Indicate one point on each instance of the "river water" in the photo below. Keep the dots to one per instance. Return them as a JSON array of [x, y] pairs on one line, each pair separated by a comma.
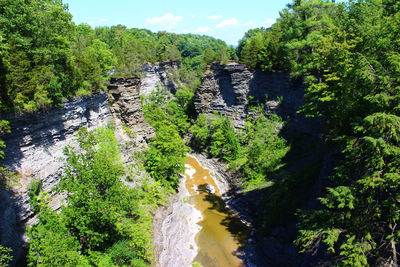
[[222, 233]]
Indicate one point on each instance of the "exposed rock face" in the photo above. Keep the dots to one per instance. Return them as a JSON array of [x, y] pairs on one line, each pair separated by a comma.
[[157, 75], [124, 97], [35, 149], [227, 89], [230, 90], [35, 146]]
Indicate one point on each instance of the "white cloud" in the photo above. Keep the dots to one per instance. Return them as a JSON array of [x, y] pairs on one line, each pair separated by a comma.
[[168, 21], [90, 23], [102, 20], [268, 22], [195, 16], [249, 23], [202, 29], [228, 23], [215, 17]]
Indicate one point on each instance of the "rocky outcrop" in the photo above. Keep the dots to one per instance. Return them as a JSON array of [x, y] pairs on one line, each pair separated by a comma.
[[158, 75], [230, 89], [125, 105], [35, 151]]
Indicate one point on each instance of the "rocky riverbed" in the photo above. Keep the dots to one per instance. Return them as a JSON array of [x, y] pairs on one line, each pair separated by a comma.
[[177, 230]]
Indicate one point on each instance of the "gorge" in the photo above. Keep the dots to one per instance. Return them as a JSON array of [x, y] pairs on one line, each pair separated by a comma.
[[124, 146], [225, 89]]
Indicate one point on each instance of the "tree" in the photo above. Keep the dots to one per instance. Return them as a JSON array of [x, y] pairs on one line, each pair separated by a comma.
[[5, 257], [201, 132], [92, 183], [165, 157], [35, 59], [101, 216], [250, 50], [51, 242], [167, 151]]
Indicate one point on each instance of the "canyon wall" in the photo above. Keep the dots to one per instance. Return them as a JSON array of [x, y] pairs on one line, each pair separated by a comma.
[[158, 75], [34, 148], [35, 151], [231, 89]]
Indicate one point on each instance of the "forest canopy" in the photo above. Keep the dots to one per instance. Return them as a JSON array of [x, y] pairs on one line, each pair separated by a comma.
[[46, 58], [348, 55]]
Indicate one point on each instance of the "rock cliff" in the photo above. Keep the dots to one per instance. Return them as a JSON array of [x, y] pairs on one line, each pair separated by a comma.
[[35, 146], [230, 89], [125, 106], [157, 75], [35, 151]]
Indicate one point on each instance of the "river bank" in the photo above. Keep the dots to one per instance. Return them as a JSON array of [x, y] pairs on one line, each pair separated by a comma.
[[176, 229]]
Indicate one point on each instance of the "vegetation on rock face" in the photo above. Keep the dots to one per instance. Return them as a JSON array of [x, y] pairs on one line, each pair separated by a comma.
[[256, 151], [4, 128], [348, 56], [5, 257], [103, 222], [5, 174], [167, 151]]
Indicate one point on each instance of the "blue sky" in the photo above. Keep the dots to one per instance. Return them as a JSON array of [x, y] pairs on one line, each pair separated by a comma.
[[224, 19]]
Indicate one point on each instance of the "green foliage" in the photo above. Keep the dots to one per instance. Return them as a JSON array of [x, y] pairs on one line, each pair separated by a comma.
[[223, 141], [46, 58], [122, 253], [4, 128], [33, 194], [256, 151], [34, 60], [162, 109], [167, 151], [128, 131], [348, 56], [201, 133], [185, 97], [51, 242], [165, 157], [103, 222], [218, 135], [263, 149], [5, 257], [7, 177], [93, 183]]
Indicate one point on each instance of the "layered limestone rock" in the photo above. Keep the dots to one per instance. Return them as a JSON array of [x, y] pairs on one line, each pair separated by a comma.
[[158, 75], [125, 105], [35, 151], [230, 89]]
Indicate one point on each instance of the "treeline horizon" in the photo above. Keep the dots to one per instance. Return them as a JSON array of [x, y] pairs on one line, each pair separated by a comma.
[[46, 58]]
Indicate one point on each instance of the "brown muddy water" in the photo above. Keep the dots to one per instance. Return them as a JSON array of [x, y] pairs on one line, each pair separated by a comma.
[[222, 233]]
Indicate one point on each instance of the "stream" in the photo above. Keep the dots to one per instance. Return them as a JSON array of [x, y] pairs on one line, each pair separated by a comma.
[[222, 234]]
